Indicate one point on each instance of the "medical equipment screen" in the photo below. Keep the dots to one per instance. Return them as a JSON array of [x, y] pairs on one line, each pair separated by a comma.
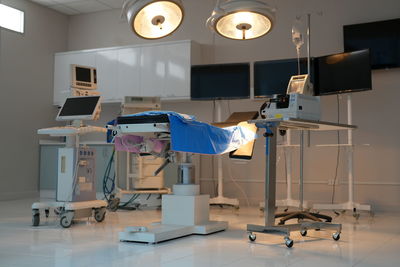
[[343, 73], [220, 81], [382, 38], [78, 107], [83, 74], [272, 77]]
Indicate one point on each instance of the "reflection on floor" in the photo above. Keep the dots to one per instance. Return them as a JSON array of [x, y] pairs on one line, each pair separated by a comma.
[[370, 241]]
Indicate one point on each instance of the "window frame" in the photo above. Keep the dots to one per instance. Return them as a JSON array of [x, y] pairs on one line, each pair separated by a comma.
[[23, 24]]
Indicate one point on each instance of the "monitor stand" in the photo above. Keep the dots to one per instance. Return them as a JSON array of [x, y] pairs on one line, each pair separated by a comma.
[[220, 199]]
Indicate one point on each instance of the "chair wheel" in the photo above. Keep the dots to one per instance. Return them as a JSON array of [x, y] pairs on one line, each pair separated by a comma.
[[288, 242], [252, 237], [336, 236]]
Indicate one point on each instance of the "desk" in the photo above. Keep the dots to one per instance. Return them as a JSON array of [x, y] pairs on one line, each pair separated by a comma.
[[271, 127]]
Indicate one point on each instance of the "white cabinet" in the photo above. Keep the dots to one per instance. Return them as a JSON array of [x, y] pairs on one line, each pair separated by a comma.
[[128, 72], [161, 69], [107, 64], [152, 70], [177, 70]]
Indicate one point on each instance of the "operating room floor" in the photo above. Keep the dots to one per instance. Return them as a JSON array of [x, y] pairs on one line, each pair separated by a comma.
[[370, 241]]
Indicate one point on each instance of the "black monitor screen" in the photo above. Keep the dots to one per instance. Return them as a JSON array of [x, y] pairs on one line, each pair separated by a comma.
[[272, 77], [220, 81], [82, 74], [342, 73], [382, 38], [79, 106]]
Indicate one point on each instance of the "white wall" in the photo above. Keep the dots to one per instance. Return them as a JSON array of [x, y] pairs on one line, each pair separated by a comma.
[[376, 165], [26, 93]]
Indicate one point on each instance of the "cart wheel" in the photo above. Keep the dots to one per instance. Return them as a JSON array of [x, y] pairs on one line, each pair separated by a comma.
[[303, 232], [113, 204], [46, 212], [252, 237], [99, 215], [36, 219], [288, 242], [336, 236], [64, 222]]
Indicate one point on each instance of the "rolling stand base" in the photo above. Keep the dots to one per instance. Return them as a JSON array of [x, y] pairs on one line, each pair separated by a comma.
[[286, 229]]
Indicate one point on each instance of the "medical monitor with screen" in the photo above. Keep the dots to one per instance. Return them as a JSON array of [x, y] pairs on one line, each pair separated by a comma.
[[343, 73], [273, 76], [220, 81], [79, 108], [382, 38], [84, 77]]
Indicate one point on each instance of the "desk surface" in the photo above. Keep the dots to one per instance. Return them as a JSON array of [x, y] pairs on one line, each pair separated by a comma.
[[299, 124]]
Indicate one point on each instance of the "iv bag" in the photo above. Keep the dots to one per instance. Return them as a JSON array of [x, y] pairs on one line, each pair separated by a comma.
[[297, 36]]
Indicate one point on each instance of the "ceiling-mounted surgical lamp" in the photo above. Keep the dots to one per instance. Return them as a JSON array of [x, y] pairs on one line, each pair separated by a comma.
[[152, 19], [241, 19]]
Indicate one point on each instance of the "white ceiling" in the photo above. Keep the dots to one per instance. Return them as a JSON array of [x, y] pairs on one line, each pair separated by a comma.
[[75, 7]]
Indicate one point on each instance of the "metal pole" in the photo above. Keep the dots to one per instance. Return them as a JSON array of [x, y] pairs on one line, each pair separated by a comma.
[[350, 155], [301, 168], [308, 44], [219, 157], [289, 151], [270, 175]]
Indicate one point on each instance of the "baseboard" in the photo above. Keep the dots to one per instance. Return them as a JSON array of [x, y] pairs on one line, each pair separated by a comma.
[[18, 195]]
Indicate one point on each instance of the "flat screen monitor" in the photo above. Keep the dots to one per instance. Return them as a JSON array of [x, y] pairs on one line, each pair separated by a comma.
[[272, 77], [220, 81], [79, 108], [84, 77], [343, 73], [382, 38]]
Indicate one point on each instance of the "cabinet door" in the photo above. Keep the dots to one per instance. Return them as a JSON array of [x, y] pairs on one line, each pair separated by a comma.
[[152, 70], [177, 78], [107, 83], [62, 72], [128, 72]]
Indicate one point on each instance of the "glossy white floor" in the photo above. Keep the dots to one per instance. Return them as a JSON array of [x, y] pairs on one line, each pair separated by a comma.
[[370, 241]]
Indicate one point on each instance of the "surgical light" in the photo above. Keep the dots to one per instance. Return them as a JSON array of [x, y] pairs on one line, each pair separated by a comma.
[[151, 19], [241, 19]]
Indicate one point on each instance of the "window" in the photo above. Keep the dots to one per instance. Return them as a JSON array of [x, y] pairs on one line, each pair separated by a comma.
[[11, 18]]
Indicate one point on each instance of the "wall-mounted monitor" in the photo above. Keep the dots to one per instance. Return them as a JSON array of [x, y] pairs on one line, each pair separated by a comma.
[[220, 81], [343, 73], [84, 77], [79, 108], [382, 38], [273, 76]]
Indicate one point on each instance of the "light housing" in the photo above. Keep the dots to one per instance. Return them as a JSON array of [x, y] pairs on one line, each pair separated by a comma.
[[151, 19], [242, 19]]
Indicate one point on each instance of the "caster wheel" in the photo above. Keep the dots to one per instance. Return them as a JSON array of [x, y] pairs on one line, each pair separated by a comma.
[[336, 236], [36, 219], [356, 215], [288, 242], [46, 212], [99, 216], [113, 204], [252, 237], [303, 232], [64, 222]]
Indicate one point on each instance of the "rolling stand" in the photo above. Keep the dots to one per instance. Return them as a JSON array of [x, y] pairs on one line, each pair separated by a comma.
[[271, 126]]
